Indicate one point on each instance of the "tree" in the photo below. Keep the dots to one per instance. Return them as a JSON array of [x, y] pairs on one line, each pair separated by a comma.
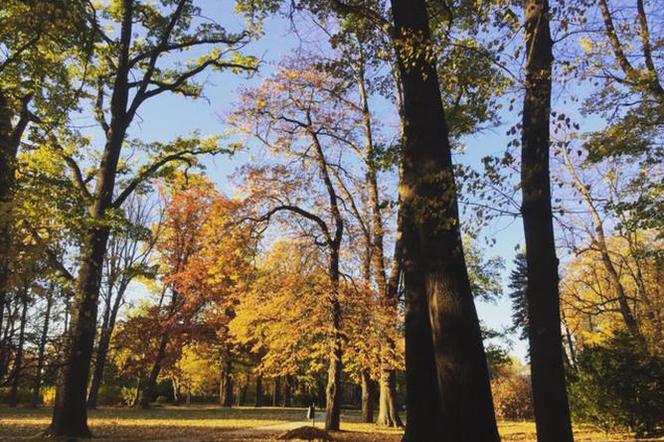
[[519, 285], [546, 354], [164, 31], [44, 42], [130, 248], [447, 375], [290, 115]]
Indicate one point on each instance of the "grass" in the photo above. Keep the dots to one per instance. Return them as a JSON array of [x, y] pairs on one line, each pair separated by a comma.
[[239, 424]]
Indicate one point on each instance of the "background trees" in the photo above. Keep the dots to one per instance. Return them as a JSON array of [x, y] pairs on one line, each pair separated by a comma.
[[296, 280]]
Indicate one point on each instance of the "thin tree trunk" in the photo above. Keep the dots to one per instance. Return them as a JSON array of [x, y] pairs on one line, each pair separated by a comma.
[[18, 361], [388, 414], [276, 394], [438, 291], [288, 391], [176, 390], [102, 348], [36, 399], [546, 353], [148, 389], [227, 382]]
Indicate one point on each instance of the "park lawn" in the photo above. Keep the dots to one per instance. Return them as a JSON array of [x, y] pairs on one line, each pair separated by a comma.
[[239, 424]]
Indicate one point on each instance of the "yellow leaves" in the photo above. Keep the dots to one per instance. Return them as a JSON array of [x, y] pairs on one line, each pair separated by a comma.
[[586, 44]]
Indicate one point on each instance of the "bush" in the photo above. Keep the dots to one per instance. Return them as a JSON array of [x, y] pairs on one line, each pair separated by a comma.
[[512, 396], [48, 396], [128, 394], [110, 395], [161, 400], [619, 385], [24, 395]]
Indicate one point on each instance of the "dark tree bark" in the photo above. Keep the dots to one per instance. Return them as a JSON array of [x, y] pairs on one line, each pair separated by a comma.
[[276, 394], [242, 397], [367, 397], [70, 413], [227, 382], [258, 400], [288, 391], [36, 398], [546, 352], [18, 361], [103, 346], [148, 390], [437, 287], [10, 138]]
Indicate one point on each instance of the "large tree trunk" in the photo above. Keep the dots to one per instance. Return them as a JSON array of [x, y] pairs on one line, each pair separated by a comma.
[[367, 397], [546, 352], [437, 287], [102, 348], [18, 361], [70, 412], [36, 398]]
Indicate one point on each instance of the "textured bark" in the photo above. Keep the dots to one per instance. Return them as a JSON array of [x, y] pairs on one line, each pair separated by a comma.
[[367, 397], [388, 413], [546, 352], [18, 361], [36, 398], [70, 411], [437, 287]]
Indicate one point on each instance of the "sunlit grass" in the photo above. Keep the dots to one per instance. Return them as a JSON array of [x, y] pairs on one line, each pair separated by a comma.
[[211, 423]]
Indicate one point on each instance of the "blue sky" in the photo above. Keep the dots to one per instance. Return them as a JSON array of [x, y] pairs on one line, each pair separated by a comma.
[[167, 117]]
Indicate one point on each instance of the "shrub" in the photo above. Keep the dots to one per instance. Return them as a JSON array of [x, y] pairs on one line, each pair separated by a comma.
[[48, 396], [128, 394], [512, 396], [110, 395], [161, 400], [619, 385]]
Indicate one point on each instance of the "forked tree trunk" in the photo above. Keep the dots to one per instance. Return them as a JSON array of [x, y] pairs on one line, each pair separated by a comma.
[[546, 352], [18, 361], [438, 292]]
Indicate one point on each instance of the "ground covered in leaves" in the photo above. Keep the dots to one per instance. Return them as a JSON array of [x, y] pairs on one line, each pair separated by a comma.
[[202, 423]]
